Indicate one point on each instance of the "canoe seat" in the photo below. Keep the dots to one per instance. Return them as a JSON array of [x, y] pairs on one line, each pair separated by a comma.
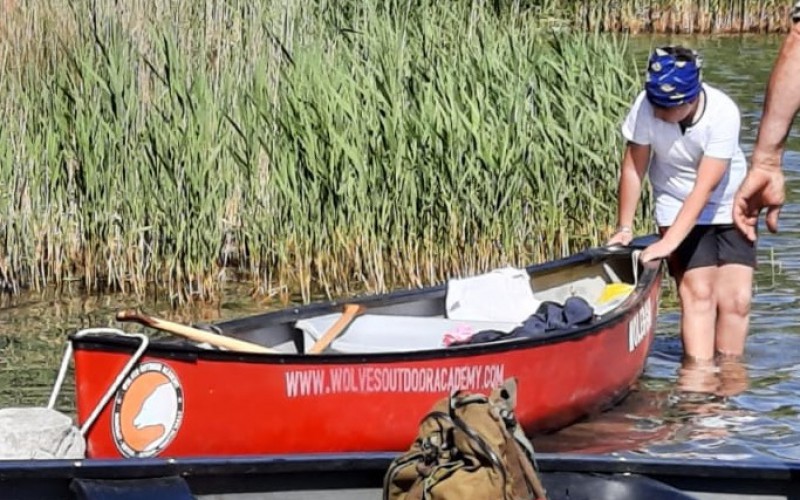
[[372, 333]]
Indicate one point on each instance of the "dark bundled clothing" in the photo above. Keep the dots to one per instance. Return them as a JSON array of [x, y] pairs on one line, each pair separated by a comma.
[[550, 316]]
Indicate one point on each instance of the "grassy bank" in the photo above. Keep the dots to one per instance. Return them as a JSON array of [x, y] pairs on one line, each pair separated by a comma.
[[169, 145]]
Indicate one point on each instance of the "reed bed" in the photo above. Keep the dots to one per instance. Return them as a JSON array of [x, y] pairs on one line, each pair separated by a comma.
[[675, 16], [169, 146]]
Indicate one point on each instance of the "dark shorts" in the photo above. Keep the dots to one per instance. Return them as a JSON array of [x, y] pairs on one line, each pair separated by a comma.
[[716, 245]]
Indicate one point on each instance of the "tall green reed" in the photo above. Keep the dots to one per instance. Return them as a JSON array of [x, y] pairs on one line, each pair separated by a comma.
[[307, 147]]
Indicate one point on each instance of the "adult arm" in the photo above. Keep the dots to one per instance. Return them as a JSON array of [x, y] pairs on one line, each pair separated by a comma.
[[781, 103], [634, 165], [764, 184]]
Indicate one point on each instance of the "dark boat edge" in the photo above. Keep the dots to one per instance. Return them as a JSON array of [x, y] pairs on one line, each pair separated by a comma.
[[365, 471], [135, 468]]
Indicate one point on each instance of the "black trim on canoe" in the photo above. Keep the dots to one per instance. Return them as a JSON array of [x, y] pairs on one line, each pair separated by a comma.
[[328, 473], [184, 350], [133, 468]]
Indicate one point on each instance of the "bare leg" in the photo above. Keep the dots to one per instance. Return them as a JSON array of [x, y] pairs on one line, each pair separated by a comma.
[[696, 288], [734, 289]]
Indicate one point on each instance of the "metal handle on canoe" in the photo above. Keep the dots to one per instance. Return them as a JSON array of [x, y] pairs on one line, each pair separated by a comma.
[[143, 343], [194, 334]]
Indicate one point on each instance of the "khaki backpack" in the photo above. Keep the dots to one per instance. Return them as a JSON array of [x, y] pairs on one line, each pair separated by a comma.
[[469, 446]]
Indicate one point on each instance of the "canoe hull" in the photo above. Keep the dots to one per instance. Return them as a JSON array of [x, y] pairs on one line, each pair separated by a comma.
[[181, 401], [299, 407]]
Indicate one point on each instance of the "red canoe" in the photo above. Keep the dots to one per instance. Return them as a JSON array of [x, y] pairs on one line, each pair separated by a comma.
[[369, 389]]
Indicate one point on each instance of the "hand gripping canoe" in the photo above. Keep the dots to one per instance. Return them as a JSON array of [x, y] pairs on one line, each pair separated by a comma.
[[194, 334]]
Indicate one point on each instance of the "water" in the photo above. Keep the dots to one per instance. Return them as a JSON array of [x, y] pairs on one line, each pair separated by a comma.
[[741, 411], [33, 331]]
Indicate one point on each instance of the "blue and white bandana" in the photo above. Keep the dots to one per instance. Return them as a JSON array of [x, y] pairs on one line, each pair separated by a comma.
[[673, 76]]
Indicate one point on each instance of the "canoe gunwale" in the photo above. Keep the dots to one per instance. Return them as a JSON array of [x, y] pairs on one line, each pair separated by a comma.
[[649, 278], [131, 468], [343, 476]]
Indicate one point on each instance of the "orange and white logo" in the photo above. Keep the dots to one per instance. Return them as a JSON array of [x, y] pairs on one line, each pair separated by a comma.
[[148, 410]]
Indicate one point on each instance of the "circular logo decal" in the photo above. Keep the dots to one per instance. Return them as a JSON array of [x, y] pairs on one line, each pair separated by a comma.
[[148, 410]]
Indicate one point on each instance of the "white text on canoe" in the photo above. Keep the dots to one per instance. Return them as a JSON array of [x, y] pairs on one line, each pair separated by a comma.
[[368, 379], [640, 325]]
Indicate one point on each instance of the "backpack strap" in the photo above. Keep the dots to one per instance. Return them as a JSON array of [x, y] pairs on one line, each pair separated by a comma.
[[503, 401], [396, 467], [427, 449], [484, 447], [530, 469]]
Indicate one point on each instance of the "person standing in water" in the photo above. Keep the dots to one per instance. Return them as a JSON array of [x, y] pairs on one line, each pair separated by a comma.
[[685, 134]]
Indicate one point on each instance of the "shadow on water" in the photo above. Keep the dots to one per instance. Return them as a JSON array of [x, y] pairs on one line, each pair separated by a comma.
[[735, 410]]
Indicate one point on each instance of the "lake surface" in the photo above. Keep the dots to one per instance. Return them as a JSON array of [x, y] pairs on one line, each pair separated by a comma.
[[737, 411]]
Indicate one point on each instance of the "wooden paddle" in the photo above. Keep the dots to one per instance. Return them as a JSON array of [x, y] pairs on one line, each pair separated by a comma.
[[194, 334], [349, 314]]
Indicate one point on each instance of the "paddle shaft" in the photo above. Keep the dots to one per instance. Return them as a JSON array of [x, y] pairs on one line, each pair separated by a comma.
[[349, 314], [194, 334]]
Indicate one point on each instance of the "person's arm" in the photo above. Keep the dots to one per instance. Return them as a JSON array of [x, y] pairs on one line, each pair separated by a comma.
[[634, 165], [709, 174], [781, 104], [720, 147], [763, 187]]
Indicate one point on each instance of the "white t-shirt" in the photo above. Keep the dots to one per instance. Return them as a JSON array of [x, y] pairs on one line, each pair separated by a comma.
[[676, 155]]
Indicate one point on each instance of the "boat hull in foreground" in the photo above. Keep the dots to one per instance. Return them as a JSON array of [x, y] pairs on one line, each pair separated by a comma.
[[359, 476]]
